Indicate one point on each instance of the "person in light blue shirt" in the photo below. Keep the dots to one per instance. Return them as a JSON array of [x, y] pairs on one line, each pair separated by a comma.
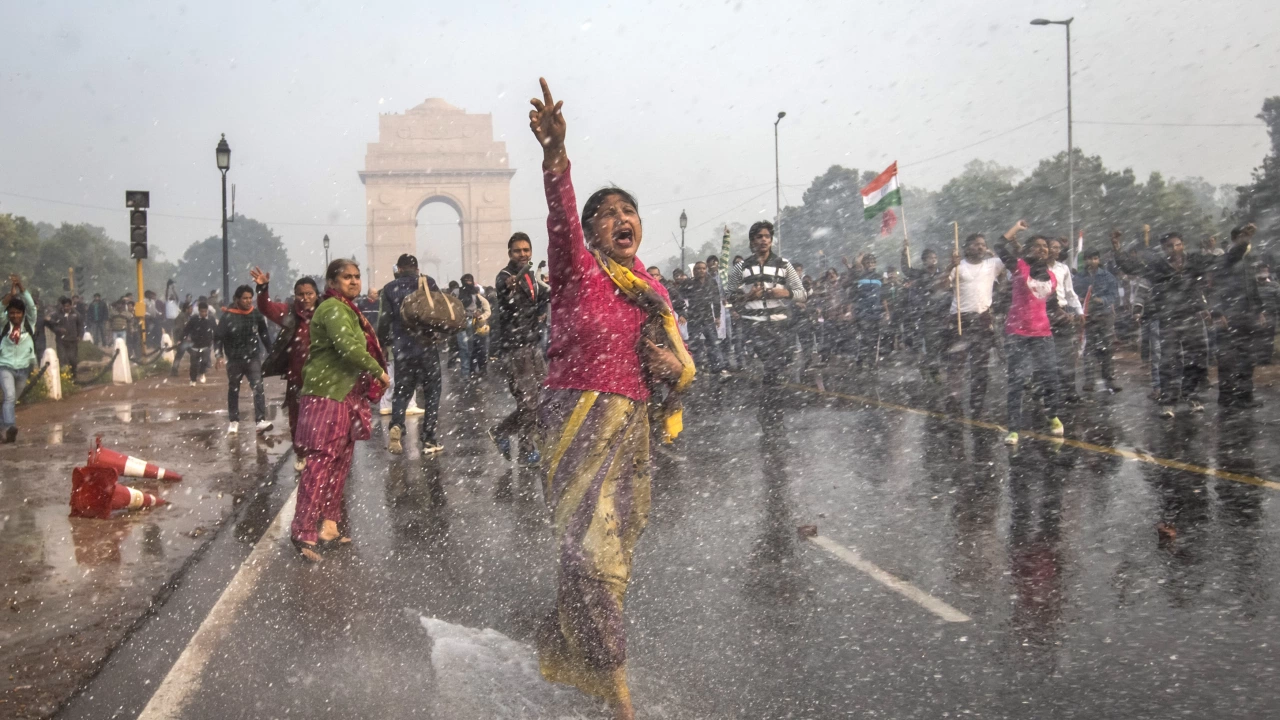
[[17, 354]]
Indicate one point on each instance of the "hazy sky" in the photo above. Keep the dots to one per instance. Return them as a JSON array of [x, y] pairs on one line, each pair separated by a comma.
[[674, 101]]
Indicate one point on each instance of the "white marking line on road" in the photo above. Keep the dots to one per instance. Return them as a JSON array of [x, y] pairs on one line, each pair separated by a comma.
[[898, 585], [171, 697]]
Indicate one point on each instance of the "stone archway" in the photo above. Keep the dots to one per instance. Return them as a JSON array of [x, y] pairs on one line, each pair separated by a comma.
[[436, 152]]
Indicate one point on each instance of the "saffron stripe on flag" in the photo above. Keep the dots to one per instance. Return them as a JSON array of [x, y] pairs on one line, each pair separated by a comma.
[[890, 173]]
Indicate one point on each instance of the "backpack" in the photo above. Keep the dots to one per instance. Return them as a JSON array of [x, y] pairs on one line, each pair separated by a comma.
[[277, 360]]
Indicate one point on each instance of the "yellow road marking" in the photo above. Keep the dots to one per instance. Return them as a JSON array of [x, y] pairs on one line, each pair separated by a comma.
[[1117, 452]]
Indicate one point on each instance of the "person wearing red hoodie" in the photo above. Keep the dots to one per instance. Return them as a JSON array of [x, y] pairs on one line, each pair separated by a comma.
[[293, 346]]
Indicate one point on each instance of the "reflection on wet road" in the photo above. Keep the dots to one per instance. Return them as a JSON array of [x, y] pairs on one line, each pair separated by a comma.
[[1095, 584]]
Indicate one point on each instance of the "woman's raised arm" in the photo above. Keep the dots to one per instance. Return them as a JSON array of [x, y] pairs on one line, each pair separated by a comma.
[[547, 123]]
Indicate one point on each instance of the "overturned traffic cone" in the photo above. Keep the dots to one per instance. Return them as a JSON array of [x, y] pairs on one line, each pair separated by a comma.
[[129, 466], [95, 493]]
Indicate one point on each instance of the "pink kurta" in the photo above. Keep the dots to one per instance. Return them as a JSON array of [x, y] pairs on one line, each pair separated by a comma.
[[595, 330]]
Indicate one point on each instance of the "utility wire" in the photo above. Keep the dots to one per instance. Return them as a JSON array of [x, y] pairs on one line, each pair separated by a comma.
[[1164, 124], [989, 138]]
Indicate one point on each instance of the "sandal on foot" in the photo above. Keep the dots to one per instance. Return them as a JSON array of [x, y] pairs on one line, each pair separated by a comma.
[[307, 551]]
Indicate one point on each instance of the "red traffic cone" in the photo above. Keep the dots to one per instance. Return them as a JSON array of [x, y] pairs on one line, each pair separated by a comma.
[[129, 466], [95, 493]]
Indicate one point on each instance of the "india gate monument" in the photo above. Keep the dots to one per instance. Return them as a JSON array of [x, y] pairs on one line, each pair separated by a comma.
[[435, 152]]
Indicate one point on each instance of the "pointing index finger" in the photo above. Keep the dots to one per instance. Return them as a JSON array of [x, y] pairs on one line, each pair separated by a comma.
[[546, 93]]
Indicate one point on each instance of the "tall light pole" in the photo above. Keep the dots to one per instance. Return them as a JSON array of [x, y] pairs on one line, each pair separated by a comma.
[[326, 253], [1071, 160], [223, 154], [777, 184], [684, 223]]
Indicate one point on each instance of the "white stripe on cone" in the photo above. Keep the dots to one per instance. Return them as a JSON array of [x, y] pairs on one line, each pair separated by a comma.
[[133, 467]]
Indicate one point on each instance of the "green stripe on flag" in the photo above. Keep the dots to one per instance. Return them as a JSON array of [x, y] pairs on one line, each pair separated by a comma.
[[886, 202]]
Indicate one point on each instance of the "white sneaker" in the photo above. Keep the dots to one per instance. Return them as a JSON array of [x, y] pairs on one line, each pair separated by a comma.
[[193, 383], [1167, 411], [1196, 406], [233, 428], [430, 447], [394, 446], [413, 409], [384, 411], [202, 380], [264, 426]]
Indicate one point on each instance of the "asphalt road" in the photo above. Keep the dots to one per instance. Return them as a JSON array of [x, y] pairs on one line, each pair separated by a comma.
[[949, 576]]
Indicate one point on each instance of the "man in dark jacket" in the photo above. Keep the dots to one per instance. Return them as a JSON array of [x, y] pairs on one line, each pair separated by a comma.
[[1239, 313], [1099, 293], [68, 327], [702, 312], [198, 334], [521, 308], [417, 360], [99, 313], [242, 333], [1177, 301]]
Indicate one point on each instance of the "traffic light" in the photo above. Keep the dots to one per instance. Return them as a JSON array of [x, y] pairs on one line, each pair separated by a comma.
[[138, 234]]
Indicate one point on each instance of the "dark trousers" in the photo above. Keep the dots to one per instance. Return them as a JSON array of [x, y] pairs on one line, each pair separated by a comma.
[[929, 333], [1099, 336], [525, 369], [1065, 338], [1237, 356], [252, 371], [411, 374], [69, 355], [772, 342], [970, 351], [99, 332], [199, 362], [178, 351], [1184, 358], [869, 327], [704, 345], [1034, 361]]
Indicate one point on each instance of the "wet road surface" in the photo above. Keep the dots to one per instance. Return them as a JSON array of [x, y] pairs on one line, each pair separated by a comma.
[[1068, 601]]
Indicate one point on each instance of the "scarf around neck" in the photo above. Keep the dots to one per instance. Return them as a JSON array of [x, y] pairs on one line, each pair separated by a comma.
[[639, 292]]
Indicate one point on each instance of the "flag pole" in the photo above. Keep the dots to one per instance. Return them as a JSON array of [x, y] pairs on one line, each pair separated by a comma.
[[959, 325], [906, 237]]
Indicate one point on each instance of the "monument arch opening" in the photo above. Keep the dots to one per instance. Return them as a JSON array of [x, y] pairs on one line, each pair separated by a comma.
[[438, 239], [430, 154]]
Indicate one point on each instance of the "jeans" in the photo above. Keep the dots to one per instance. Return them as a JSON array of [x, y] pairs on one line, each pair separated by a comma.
[[525, 369], [1031, 360], [411, 374], [178, 351], [99, 332], [772, 342], [1237, 355], [12, 382], [1065, 336], [252, 370], [704, 345], [1099, 332], [473, 352]]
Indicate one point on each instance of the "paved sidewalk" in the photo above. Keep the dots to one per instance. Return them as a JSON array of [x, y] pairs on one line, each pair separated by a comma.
[[72, 588]]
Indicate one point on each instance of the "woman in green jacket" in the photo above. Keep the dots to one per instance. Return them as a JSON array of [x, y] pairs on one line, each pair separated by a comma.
[[344, 372]]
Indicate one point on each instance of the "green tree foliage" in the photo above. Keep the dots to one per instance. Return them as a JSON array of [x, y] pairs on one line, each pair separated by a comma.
[[42, 254], [1259, 202], [251, 243]]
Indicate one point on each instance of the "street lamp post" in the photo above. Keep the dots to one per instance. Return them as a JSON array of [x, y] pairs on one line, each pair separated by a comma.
[[326, 253], [223, 154], [777, 184], [684, 223], [1071, 160]]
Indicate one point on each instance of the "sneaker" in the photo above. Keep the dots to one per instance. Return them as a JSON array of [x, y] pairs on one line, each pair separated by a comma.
[[1011, 439], [1167, 411], [193, 383], [431, 447], [1114, 388], [531, 459], [233, 428], [384, 411], [264, 426], [1196, 406], [299, 464], [202, 379], [502, 443], [1055, 427], [394, 446], [413, 409], [11, 434]]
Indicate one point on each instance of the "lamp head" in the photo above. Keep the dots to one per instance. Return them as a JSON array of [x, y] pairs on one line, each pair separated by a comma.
[[1039, 21], [326, 242], [223, 154], [684, 220]]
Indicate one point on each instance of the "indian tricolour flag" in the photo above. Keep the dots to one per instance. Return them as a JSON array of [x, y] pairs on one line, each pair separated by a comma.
[[882, 193]]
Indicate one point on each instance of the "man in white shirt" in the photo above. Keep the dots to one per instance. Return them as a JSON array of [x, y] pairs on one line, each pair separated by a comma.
[[1066, 320], [977, 274]]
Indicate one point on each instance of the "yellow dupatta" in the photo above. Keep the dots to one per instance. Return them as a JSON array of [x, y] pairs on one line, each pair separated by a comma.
[[671, 413]]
